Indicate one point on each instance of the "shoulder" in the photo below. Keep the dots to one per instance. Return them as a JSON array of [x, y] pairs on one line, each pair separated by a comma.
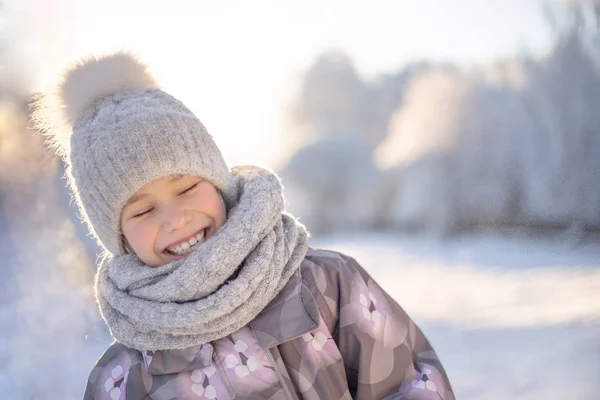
[[110, 373], [325, 256], [329, 267], [329, 275]]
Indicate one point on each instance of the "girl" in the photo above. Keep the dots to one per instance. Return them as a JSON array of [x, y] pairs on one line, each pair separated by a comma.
[[208, 288]]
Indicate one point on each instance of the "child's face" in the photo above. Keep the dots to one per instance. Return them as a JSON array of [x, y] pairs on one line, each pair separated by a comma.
[[168, 217]]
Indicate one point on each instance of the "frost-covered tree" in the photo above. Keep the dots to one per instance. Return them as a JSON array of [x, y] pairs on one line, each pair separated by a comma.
[[341, 118], [333, 184], [332, 99], [514, 142], [561, 158], [517, 143], [329, 96], [450, 157]]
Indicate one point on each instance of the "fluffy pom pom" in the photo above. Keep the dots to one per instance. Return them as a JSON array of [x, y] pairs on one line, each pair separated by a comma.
[[95, 78], [87, 81]]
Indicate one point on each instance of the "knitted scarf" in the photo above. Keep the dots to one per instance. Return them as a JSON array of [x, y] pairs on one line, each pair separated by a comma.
[[216, 289]]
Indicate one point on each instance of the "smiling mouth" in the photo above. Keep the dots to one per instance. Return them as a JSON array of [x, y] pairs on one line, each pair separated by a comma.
[[188, 245]]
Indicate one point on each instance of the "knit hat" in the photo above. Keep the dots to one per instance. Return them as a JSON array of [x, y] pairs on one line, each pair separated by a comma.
[[118, 131]]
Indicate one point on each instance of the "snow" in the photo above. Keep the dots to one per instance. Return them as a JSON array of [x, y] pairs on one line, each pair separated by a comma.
[[511, 317]]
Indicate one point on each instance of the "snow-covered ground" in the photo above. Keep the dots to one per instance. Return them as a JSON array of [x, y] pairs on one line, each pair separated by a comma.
[[511, 317]]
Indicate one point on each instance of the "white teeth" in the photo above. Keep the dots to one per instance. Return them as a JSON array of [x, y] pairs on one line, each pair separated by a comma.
[[186, 246]]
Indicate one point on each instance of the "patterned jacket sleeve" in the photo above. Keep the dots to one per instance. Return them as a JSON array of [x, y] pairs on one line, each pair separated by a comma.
[[385, 354], [110, 375]]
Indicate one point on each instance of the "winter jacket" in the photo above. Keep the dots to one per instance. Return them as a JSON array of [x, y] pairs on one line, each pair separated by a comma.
[[331, 333]]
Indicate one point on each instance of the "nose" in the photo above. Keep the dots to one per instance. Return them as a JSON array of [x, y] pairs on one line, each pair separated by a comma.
[[175, 218]]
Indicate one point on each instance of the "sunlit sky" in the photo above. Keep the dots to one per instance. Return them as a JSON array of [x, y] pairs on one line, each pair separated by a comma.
[[235, 62]]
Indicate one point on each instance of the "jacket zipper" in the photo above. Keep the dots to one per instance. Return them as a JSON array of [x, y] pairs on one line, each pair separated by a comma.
[[286, 390]]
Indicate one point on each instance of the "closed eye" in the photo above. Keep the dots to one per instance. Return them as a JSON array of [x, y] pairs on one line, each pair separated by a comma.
[[142, 213], [189, 188]]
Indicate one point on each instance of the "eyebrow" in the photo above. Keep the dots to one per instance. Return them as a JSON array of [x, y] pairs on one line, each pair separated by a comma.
[[134, 198], [139, 196]]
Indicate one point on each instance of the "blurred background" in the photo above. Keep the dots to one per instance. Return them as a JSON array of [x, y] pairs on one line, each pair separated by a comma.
[[452, 147]]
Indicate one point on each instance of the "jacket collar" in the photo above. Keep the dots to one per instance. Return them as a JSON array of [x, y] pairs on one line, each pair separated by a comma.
[[292, 313], [162, 362]]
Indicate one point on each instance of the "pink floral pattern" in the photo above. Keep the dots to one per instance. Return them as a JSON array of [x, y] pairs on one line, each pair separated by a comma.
[[319, 349], [370, 310], [245, 362], [203, 383], [426, 384], [114, 379], [206, 384]]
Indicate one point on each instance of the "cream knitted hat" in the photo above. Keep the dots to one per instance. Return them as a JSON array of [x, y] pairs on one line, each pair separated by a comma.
[[117, 132]]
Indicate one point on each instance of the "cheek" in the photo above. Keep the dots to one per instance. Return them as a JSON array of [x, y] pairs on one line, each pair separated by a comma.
[[140, 236], [218, 209], [209, 202]]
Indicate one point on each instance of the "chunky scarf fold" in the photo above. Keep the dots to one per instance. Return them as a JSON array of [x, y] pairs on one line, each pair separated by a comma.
[[217, 288]]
